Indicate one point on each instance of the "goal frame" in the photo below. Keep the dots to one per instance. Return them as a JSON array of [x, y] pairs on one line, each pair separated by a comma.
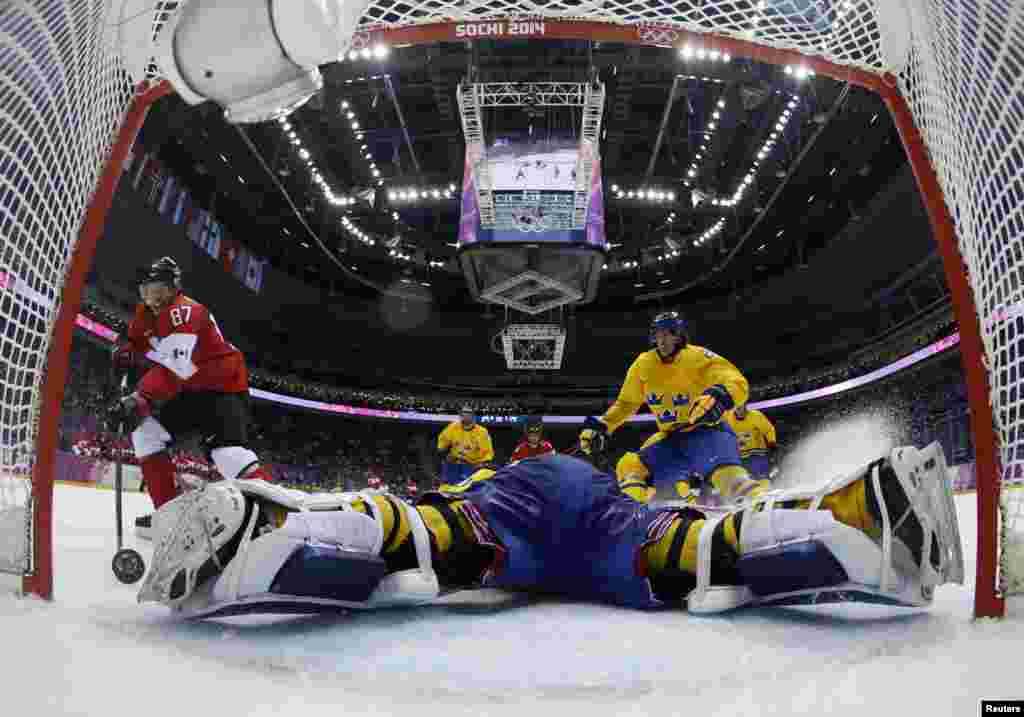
[[40, 580], [987, 603]]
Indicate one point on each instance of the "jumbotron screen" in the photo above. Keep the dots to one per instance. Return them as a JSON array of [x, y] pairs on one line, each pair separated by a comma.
[[533, 185]]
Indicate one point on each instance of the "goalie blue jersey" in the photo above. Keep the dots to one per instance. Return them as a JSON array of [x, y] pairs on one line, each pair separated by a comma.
[[566, 528]]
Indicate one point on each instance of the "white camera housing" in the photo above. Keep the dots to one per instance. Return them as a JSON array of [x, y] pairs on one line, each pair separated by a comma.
[[257, 59]]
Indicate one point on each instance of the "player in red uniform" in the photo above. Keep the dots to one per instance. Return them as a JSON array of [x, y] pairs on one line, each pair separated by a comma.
[[197, 384], [534, 443]]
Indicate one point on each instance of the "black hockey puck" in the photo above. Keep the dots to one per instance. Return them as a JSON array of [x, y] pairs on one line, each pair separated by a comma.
[[128, 565]]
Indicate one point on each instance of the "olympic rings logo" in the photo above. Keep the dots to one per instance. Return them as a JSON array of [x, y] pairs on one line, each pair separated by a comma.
[[531, 227], [658, 35]]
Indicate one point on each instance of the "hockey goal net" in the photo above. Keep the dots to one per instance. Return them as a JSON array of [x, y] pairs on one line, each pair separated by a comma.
[[950, 71]]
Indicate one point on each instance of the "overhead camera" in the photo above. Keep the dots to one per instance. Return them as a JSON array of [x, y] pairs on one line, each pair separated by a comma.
[[257, 59]]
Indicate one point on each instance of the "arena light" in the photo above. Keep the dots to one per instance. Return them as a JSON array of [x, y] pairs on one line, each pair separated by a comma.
[[644, 193], [425, 194], [315, 176], [349, 226], [765, 150], [710, 233], [348, 112], [701, 54]]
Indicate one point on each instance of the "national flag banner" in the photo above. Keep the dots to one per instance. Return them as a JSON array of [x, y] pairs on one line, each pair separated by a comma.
[[198, 227], [140, 167], [254, 273], [168, 196], [181, 208], [152, 181], [241, 264], [213, 238], [228, 253]]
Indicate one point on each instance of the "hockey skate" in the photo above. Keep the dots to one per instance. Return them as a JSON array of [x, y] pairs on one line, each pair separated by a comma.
[[806, 557]]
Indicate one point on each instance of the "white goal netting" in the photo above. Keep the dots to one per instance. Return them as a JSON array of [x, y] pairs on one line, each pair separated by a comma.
[[62, 97], [958, 63]]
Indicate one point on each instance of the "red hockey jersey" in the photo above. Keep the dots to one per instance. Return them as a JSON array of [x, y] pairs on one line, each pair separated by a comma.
[[525, 450], [188, 349]]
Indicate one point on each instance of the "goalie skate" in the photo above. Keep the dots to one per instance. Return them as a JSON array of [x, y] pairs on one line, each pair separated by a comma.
[[924, 477]]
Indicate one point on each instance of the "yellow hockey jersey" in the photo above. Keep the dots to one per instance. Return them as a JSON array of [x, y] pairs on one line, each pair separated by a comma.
[[670, 388], [755, 434], [473, 446]]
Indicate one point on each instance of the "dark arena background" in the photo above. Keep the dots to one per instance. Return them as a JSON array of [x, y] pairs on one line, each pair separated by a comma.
[[360, 300]]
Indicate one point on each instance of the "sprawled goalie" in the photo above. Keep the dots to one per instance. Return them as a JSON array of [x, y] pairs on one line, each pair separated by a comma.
[[886, 533], [688, 389]]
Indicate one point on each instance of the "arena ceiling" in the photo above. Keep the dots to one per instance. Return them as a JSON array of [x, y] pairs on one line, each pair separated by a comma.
[[837, 160]]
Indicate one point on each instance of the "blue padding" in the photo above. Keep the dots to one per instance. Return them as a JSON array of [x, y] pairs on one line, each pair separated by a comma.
[[326, 572], [823, 597], [798, 566]]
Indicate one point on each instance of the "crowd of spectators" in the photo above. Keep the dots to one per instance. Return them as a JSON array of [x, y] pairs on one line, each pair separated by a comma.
[[403, 401], [317, 451], [857, 365]]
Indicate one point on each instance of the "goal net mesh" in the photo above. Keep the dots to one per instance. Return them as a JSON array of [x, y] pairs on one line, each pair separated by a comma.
[[63, 92], [62, 97]]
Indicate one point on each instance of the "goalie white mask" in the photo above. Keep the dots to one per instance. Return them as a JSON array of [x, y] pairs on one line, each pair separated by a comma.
[[194, 537]]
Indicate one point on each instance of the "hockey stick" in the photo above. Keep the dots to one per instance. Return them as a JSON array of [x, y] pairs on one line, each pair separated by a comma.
[[128, 565]]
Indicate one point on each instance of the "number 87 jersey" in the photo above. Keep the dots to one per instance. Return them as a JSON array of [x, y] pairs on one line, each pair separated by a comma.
[[189, 351]]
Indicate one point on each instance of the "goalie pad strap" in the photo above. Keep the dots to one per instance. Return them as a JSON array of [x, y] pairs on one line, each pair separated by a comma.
[[243, 549], [459, 542], [704, 555], [886, 531], [396, 523], [272, 492], [675, 550]]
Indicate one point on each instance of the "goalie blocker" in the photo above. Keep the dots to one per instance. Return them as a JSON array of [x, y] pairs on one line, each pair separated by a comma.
[[248, 546]]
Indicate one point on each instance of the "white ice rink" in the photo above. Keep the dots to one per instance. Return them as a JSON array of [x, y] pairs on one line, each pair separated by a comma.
[[94, 651]]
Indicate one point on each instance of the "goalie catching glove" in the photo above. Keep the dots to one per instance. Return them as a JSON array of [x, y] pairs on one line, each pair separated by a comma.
[[593, 437], [710, 406]]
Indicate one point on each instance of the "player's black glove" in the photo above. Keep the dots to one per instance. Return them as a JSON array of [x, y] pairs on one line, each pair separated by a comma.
[[130, 409], [593, 437], [123, 359], [710, 406]]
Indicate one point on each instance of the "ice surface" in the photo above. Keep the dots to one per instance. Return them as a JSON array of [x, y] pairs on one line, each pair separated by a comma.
[[94, 651]]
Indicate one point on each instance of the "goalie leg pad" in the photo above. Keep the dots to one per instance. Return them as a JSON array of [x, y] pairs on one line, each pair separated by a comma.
[[317, 561], [804, 565], [278, 572], [800, 553], [801, 557], [328, 573]]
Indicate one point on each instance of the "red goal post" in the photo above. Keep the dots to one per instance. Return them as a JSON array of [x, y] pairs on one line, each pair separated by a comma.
[[950, 72]]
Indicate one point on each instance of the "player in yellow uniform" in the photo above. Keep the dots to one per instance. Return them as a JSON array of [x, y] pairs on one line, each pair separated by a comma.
[[755, 436], [688, 389], [464, 446]]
